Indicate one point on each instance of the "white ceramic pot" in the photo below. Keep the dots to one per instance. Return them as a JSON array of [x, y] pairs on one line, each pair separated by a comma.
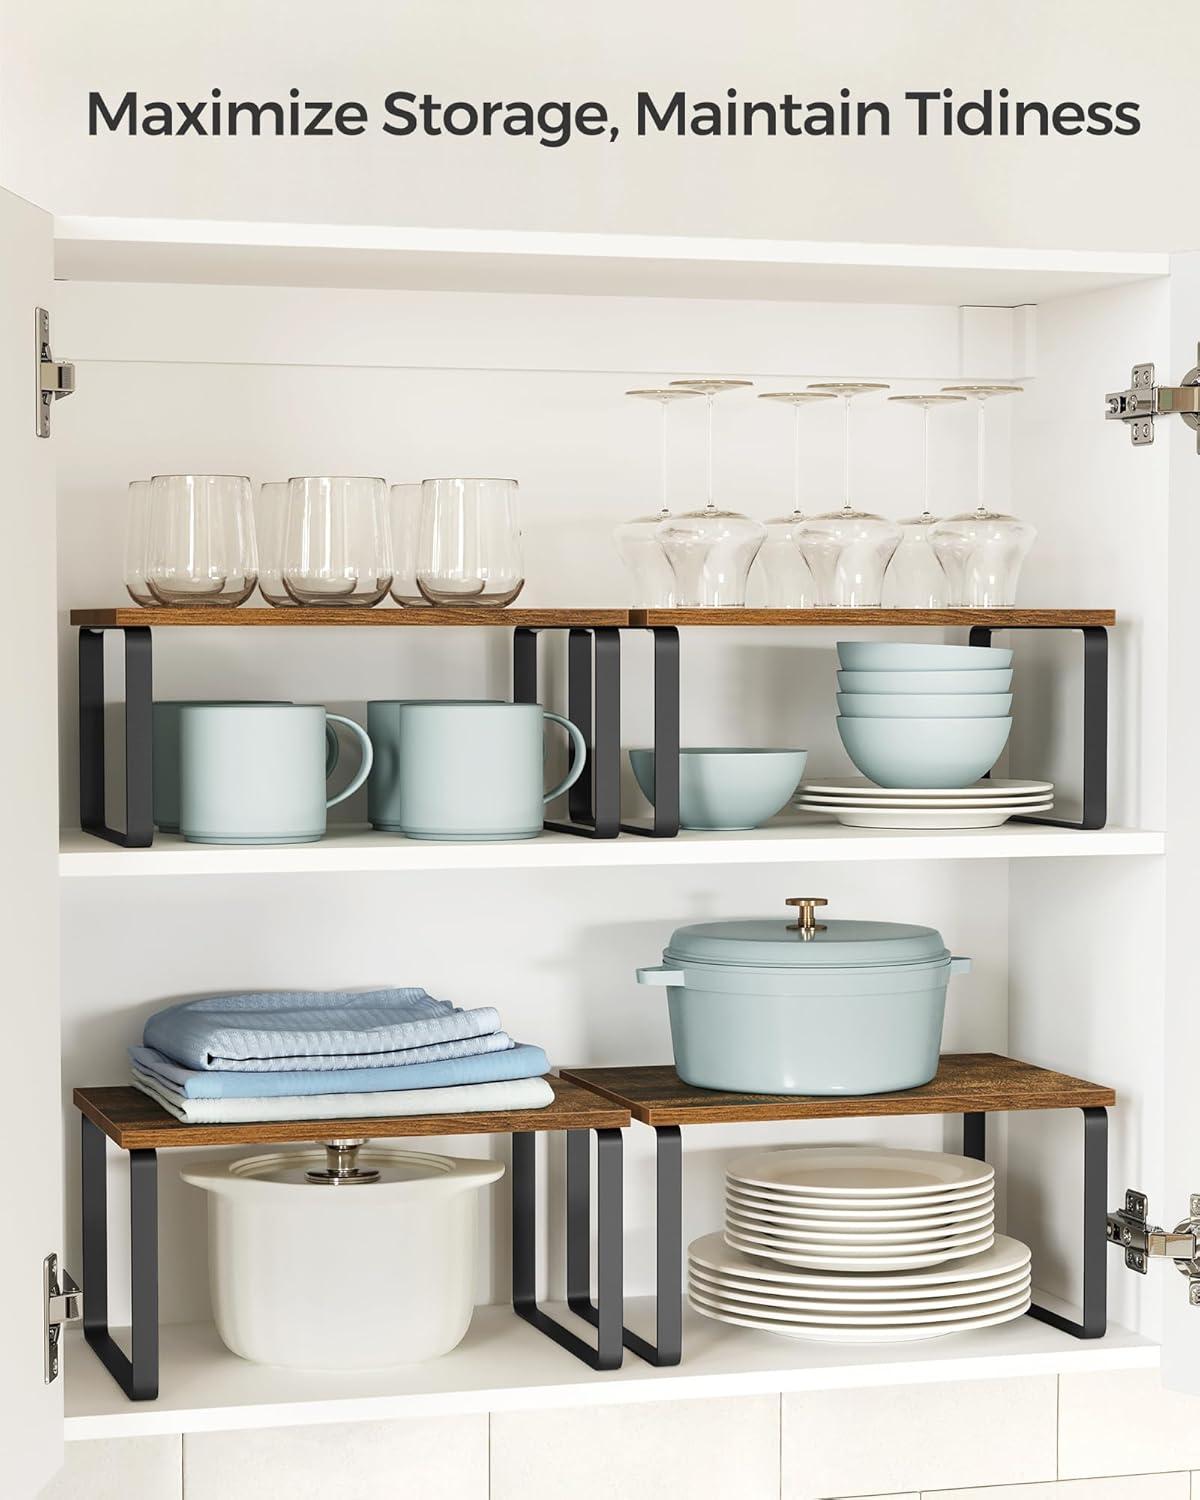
[[352, 1276]]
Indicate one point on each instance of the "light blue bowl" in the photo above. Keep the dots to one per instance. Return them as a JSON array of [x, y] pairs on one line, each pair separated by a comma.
[[726, 789], [995, 681], [924, 705], [924, 752], [909, 656]]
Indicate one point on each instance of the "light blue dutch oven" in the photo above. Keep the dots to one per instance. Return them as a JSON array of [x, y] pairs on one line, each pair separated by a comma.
[[804, 1007]]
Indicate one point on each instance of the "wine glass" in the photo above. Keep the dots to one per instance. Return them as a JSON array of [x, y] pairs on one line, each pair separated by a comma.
[[848, 550], [637, 540], [710, 550], [982, 550], [137, 526], [915, 578], [200, 548], [787, 581]]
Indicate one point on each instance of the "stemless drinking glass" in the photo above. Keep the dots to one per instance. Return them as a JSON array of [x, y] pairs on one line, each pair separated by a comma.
[[270, 520], [338, 547], [200, 549], [637, 539], [469, 550], [137, 527], [406, 536], [915, 578]]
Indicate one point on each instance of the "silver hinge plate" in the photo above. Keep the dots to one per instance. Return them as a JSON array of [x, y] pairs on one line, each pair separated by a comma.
[[1130, 1230], [64, 1304], [55, 377], [1144, 401]]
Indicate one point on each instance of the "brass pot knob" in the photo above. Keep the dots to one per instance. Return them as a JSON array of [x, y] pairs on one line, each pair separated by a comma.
[[806, 923]]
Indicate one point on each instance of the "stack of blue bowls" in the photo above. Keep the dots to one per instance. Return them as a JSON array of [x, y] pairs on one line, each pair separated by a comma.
[[923, 715]]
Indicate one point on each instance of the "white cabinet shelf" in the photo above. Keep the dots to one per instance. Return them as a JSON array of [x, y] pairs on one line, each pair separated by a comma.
[[793, 841], [504, 1365]]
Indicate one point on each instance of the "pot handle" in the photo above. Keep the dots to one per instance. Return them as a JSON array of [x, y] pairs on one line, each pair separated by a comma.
[[660, 974], [960, 966]]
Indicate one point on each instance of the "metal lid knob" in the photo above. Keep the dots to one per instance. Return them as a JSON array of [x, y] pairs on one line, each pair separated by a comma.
[[806, 923], [341, 1165]]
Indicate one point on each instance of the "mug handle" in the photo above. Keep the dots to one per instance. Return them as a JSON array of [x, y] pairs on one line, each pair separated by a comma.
[[368, 756], [578, 758], [333, 750]]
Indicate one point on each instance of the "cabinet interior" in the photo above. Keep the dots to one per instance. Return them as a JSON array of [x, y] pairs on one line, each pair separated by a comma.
[[272, 380]]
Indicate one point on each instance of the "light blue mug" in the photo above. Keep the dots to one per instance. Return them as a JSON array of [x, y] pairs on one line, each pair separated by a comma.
[[166, 752], [254, 773], [463, 772]]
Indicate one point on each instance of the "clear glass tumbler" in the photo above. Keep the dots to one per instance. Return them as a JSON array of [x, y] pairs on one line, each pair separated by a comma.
[[270, 519], [200, 549], [338, 545], [137, 529], [469, 551], [406, 537]]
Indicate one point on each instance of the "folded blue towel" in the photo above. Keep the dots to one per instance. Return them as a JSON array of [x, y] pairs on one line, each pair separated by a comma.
[[277, 1031], [515, 1061]]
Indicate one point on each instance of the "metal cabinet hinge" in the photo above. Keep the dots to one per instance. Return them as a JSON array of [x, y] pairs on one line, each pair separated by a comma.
[[55, 377], [1129, 1229], [1144, 401], [63, 1304]]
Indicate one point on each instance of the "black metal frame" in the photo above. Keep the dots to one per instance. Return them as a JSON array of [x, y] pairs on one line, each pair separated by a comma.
[[594, 705], [139, 737], [606, 1314], [1095, 721], [1095, 1210], [136, 1374]]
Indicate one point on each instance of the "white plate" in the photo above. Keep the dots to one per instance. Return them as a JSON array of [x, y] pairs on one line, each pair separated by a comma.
[[933, 1207], [846, 1262], [768, 1298], [893, 1335], [824, 1318], [855, 1249], [859, 1221], [820, 1296], [931, 820], [838, 1172], [995, 786], [1001, 1258], [914, 800], [895, 1232]]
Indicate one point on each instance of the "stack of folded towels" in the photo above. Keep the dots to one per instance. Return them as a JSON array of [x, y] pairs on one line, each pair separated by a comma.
[[321, 1055]]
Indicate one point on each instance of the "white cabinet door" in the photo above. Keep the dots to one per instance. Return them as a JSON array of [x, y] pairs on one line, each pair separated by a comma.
[[31, 1225], [1181, 1080]]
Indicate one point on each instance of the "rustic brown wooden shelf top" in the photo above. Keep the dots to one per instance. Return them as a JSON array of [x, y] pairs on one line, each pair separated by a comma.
[[966, 1083], [323, 619], [848, 618], [134, 1121]]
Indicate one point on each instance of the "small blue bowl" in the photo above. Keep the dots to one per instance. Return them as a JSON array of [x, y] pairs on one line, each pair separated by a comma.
[[943, 753], [909, 656], [726, 789], [924, 705]]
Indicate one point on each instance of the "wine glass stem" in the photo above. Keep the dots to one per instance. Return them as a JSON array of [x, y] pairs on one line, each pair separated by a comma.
[[796, 458], [925, 461], [662, 458], [708, 446], [846, 453], [981, 455]]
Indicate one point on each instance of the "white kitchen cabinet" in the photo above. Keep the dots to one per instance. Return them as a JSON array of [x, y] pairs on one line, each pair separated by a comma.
[[275, 349]]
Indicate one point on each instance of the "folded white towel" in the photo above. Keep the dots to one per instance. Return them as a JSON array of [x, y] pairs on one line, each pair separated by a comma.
[[467, 1098]]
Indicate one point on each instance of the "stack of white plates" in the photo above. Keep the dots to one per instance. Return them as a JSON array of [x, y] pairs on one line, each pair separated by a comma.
[[859, 803], [986, 1289], [841, 1242]]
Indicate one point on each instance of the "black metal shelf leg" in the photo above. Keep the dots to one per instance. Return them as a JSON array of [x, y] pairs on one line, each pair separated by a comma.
[[667, 1348], [139, 733], [666, 737], [137, 1376], [1095, 723], [607, 1354], [1095, 1240]]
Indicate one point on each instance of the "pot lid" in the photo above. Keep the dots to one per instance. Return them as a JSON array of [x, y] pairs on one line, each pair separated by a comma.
[[805, 942], [342, 1163]]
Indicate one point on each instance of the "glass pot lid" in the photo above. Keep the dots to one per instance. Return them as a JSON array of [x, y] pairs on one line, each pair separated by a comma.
[[801, 941]]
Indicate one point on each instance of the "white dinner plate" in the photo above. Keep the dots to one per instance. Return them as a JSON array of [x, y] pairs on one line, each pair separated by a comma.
[[837, 1172], [855, 1220], [869, 1250], [821, 1296], [1002, 1257], [882, 818], [892, 1335], [825, 1233], [995, 786], [847, 1262], [769, 1299], [934, 1206], [916, 800], [841, 1319]]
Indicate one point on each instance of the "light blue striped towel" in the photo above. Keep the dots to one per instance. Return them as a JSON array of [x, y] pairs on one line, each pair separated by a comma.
[[275, 1031], [514, 1061]]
